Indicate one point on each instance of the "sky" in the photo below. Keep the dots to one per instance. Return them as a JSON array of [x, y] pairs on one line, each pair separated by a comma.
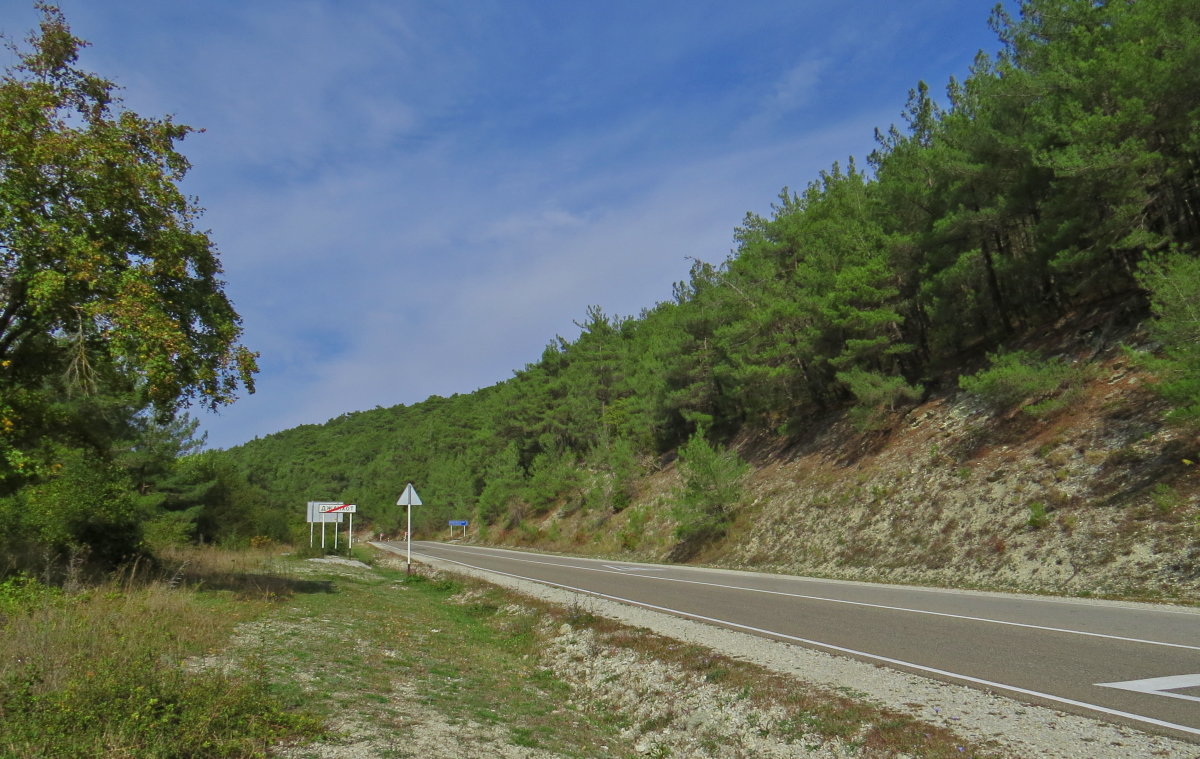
[[413, 197]]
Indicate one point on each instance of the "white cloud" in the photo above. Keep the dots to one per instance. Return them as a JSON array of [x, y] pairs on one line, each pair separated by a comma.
[[796, 88], [413, 198]]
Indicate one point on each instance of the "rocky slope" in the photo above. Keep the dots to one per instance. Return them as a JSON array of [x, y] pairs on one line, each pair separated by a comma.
[[1099, 497]]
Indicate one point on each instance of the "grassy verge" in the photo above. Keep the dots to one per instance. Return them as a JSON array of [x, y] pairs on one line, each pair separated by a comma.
[[101, 672], [440, 666], [241, 655], [421, 665]]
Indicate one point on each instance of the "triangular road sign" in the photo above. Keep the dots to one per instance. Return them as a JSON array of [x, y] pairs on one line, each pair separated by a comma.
[[409, 497]]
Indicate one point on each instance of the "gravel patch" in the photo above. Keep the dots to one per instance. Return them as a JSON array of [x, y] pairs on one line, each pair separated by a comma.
[[694, 718], [1017, 729], [343, 562], [413, 730]]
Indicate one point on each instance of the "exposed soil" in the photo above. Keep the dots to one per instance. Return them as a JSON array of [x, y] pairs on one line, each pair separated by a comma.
[[1098, 498]]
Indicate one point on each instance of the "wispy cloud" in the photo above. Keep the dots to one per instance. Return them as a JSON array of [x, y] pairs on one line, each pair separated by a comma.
[[414, 198]]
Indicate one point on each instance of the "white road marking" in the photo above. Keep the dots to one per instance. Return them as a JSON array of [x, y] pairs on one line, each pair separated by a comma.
[[1160, 686], [615, 570], [850, 651]]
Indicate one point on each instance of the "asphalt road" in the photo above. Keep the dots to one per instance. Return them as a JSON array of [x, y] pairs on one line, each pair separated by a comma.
[[1136, 664]]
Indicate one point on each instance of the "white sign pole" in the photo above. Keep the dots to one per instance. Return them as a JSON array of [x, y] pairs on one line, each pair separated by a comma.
[[409, 498], [350, 535]]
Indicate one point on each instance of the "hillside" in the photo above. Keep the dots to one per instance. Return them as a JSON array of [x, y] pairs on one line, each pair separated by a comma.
[[949, 495], [913, 372]]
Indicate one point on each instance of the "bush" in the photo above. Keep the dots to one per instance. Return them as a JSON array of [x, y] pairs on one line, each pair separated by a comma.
[[712, 484], [1020, 377], [614, 468], [86, 504], [1173, 285], [553, 479], [876, 395], [22, 593]]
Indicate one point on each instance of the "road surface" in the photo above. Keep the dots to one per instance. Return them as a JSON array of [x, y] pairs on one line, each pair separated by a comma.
[[1136, 664]]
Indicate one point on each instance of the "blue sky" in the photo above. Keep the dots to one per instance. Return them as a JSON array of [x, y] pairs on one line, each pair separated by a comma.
[[413, 198]]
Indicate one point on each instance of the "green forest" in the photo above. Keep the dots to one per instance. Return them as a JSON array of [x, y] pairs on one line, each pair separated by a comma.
[[1063, 172]]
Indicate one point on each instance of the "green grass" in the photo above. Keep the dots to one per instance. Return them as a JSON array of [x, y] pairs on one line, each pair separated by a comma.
[[100, 673], [230, 654], [403, 649]]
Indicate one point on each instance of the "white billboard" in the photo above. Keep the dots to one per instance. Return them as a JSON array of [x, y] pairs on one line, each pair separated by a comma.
[[317, 512]]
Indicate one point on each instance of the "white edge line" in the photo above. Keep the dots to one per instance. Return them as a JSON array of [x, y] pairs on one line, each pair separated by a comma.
[[851, 651], [610, 569]]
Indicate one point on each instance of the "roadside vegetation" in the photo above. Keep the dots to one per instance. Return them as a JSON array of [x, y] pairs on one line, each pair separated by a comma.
[[102, 670], [218, 653]]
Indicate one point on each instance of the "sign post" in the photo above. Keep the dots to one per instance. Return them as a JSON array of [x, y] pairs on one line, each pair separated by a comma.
[[409, 498], [337, 509], [325, 511]]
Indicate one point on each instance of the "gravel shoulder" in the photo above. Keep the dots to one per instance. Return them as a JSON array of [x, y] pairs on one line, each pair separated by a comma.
[[1014, 728]]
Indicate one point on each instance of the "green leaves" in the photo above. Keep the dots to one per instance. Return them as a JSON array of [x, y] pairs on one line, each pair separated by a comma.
[[1022, 378], [110, 301], [711, 488], [1173, 285], [97, 240]]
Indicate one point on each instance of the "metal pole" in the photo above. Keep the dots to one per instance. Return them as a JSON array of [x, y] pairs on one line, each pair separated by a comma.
[[350, 535], [322, 531], [408, 537]]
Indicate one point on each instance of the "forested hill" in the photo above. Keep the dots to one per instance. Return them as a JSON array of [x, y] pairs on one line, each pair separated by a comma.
[[1061, 174]]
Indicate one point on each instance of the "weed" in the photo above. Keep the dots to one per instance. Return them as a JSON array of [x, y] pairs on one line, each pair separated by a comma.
[[1165, 499], [579, 616], [1038, 518], [1095, 457], [1124, 456], [523, 736], [1058, 458]]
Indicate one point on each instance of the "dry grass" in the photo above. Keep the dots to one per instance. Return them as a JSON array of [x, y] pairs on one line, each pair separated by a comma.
[[100, 672]]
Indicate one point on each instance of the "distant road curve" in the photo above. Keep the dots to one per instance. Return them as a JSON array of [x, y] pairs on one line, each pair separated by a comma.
[[1136, 664]]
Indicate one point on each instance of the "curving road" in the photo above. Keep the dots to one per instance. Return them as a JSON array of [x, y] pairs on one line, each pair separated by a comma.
[[1136, 664]]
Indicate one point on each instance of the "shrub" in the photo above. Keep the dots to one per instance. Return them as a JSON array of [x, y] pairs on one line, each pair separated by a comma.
[[876, 395], [1173, 285], [86, 504], [22, 593], [1020, 377], [614, 468], [635, 528], [712, 483]]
